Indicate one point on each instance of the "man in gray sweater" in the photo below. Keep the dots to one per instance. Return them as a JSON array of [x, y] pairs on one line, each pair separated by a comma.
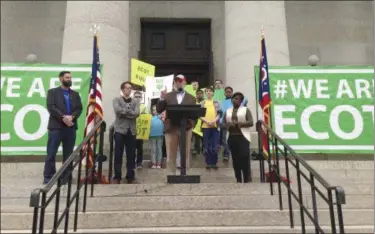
[[126, 110]]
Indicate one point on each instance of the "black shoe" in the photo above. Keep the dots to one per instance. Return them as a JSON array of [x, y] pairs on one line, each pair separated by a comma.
[[208, 167], [214, 167], [131, 181]]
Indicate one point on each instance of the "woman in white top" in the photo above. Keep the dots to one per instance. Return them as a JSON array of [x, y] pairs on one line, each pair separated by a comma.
[[238, 120]]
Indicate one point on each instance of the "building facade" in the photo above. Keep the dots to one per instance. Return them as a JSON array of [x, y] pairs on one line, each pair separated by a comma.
[[205, 40]]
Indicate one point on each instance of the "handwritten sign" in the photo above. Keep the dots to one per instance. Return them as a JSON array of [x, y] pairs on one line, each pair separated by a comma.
[[143, 126], [154, 86], [139, 71]]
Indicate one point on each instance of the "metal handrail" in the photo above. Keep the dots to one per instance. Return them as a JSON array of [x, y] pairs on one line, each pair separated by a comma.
[[297, 156], [288, 153], [68, 166]]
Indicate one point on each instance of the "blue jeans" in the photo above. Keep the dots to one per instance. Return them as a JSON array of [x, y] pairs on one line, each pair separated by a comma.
[[156, 149], [224, 142], [66, 136], [128, 141], [210, 145]]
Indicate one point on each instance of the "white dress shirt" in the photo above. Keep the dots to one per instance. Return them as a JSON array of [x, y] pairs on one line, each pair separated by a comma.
[[180, 96]]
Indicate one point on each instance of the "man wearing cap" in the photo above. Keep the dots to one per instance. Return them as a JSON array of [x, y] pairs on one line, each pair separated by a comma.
[[172, 129]]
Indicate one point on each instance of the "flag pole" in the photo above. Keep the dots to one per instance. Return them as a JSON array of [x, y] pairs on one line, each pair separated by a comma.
[[95, 28], [93, 176], [274, 166]]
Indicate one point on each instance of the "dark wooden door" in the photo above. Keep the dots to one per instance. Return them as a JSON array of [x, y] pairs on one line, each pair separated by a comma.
[[191, 72], [178, 46]]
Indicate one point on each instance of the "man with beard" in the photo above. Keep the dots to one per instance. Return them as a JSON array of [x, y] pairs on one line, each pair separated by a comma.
[[64, 106], [172, 128]]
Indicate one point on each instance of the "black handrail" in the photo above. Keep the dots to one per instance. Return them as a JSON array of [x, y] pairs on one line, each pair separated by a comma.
[[291, 157], [64, 176]]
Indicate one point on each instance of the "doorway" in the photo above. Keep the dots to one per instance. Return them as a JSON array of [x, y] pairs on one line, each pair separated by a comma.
[[178, 46]]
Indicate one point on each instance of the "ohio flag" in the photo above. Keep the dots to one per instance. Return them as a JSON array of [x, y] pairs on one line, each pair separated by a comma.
[[264, 92]]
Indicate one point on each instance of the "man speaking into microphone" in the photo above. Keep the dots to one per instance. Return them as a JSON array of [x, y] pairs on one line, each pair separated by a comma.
[[172, 129]]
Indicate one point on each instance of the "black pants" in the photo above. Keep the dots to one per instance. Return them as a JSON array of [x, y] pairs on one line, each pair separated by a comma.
[[139, 147], [240, 148], [198, 142], [164, 148], [127, 141]]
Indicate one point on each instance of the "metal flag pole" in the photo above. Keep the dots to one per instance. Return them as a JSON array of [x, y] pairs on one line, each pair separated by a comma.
[[93, 176]]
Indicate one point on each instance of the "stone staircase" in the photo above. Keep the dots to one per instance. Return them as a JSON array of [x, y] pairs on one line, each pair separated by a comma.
[[217, 205]]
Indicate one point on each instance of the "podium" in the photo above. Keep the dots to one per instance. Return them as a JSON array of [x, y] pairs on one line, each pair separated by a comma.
[[179, 115]]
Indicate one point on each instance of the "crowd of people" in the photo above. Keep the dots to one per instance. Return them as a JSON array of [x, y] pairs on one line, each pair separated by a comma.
[[226, 124]]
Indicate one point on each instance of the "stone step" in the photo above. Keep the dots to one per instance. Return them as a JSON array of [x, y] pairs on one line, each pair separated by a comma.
[[349, 168], [185, 218], [23, 189], [156, 202], [224, 175], [207, 229], [186, 202]]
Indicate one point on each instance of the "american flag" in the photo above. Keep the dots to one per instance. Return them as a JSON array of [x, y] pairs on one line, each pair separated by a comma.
[[264, 91], [94, 112]]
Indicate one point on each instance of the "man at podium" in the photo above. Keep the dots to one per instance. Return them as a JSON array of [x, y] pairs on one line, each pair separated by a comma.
[[172, 128]]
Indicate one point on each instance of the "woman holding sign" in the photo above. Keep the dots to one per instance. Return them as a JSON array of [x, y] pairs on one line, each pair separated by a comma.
[[238, 120]]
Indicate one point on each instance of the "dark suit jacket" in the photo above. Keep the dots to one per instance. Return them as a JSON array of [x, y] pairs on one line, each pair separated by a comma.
[[57, 108], [171, 99]]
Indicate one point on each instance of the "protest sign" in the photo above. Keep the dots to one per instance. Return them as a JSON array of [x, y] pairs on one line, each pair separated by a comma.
[[198, 128], [154, 86], [139, 71], [24, 115], [323, 109], [143, 126]]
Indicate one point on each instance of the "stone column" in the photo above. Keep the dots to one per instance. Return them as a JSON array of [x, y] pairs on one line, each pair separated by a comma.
[[113, 19], [243, 22]]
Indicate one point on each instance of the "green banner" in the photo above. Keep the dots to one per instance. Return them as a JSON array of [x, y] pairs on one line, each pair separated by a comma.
[[24, 116], [323, 109]]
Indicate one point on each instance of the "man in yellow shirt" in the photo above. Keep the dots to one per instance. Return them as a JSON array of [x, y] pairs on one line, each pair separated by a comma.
[[210, 124]]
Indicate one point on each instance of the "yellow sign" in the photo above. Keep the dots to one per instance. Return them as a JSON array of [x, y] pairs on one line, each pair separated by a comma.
[[143, 126], [189, 89], [198, 128], [139, 71]]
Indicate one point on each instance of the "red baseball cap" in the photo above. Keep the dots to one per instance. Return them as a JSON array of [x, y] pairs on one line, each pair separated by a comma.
[[180, 77]]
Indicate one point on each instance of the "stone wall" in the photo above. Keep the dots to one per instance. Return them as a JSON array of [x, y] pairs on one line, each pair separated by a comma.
[[32, 27], [339, 32], [181, 9]]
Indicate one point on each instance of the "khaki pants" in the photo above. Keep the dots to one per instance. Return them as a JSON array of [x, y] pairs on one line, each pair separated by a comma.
[[172, 141]]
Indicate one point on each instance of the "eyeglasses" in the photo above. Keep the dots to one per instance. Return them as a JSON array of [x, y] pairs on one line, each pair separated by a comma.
[[137, 97]]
